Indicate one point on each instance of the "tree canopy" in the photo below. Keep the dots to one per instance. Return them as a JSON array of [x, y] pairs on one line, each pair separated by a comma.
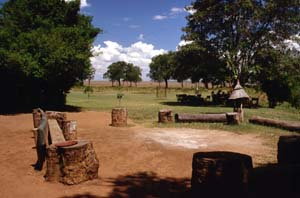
[[122, 70], [44, 50], [237, 30], [162, 67]]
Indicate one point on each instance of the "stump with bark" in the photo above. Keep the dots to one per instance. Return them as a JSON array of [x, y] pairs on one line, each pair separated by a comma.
[[60, 117], [221, 117], [165, 116], [72, 164], [119, 117], [288, 125], [288, 150], [233, 118], [70, 129], [220, 174]]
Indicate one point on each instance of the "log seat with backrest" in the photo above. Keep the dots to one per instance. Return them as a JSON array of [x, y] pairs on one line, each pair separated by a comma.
[[68, 161]]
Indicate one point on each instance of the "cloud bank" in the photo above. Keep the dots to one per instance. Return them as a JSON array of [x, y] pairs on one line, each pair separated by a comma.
[[139, 53], [83, 3]]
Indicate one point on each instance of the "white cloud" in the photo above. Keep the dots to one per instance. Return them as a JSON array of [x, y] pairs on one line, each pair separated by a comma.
[[176, 10], [138, 53], [141, 37], [190, 10], [183, 43], [83, 3], [173, 13], [160, 17]]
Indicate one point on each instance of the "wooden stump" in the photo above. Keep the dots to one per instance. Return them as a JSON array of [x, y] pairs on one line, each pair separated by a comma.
[[233, 118], [70, 129], [165, 116], [220, 174], [119, 117], [60, 117], [289, 150], [72, 164]]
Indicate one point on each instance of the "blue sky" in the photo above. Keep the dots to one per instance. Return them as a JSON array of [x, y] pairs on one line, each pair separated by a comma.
[[127, 21], [134, 30]]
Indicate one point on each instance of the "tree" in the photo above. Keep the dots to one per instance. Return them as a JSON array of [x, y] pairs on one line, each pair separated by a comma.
[[132, 74], [123, 71], [89, 89], [116, 72], [195, 63], [162, 68], [44, 49], [279, 75], [237, 30]]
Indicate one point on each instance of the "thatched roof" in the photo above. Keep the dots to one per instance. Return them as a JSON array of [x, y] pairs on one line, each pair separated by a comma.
[[238, 92]]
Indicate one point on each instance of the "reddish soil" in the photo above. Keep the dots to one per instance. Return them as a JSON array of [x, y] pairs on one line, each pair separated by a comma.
[[134, 161]]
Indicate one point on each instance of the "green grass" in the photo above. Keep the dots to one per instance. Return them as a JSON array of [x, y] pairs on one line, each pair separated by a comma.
[[143, 106]]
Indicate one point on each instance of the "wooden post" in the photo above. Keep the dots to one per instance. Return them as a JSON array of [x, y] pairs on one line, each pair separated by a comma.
[[119, 117], [220, 174], [36, 117], [165, 116], [240, 112], [70, 129]]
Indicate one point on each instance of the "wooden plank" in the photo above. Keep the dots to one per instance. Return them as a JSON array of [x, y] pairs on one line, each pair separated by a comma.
[[56, 133]]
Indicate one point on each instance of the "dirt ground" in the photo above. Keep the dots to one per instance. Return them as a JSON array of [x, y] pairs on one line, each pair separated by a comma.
[[134, 161]]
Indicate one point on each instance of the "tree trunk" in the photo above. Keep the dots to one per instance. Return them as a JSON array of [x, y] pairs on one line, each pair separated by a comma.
[[206, 85], [166, 82], [119, 82], [181, 84], [292, 126]]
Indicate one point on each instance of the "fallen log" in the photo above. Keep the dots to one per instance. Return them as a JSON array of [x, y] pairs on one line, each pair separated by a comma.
[[288, 125], [220, 117]]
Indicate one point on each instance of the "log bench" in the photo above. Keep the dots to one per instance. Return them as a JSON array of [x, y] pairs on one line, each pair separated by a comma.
[[220, 174], [68, 161]]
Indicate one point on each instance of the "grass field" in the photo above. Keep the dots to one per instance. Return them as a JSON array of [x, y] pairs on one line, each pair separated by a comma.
[[143, 104]]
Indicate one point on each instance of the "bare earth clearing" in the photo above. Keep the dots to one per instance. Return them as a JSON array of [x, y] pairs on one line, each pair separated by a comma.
[[134, 161]]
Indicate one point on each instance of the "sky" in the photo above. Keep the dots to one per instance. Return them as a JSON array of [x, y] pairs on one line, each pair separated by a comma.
[[134, 30]]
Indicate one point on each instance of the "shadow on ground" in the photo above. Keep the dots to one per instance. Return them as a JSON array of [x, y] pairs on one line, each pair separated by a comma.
[[146, 185], [273, 180], [65, 108], [270, 180], [86, 195]]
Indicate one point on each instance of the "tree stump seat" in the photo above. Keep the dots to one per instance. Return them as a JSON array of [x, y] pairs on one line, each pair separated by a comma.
[[289, 150], [220, 174], [165, 116], [232, 118], [119, 117], [72, 164], [68, 161]]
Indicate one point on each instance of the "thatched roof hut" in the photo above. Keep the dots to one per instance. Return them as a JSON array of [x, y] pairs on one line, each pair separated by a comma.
[[238, 92]]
